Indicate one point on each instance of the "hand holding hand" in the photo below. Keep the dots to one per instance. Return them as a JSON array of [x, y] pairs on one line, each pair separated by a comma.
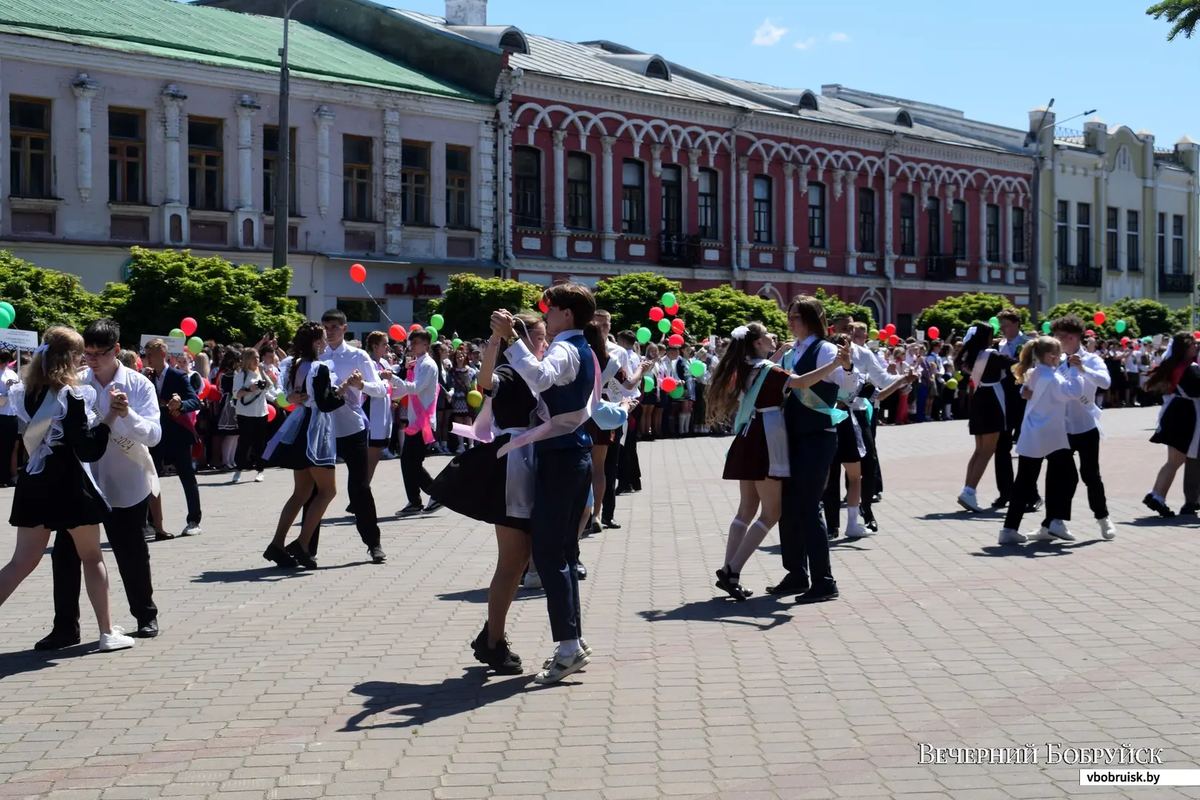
[[355, 380], [502, 324], [386, 374], [844, 356], [175, 404], [118, 402], [1026, 393], [1074, 360], [297, 398]]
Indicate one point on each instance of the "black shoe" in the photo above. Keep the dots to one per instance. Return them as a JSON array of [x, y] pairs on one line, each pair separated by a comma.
[[822, 595], [163, 536], [792, 583], [302, 558], [1190, 509], [350, 508], [596, 526], [728, 582], [609, 525], [500, 658], [872, 525], [147, 631], [878, 498], [833, 534], [433, 506], [282, 558], [1000, 502], [377, 554], [411, 509], [1154, 504], [580, 572], [57, 640], [1034, 507]]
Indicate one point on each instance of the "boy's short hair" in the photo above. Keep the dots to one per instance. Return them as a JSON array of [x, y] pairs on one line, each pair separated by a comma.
[[156, 346], [420, 336], [1067, 324], [334, 315], [1011, 315], [856, 327], [573, 297], [102, 333]]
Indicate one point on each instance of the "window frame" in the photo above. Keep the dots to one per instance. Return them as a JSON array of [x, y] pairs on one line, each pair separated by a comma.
[[934, 228], [358, 175], [200, 172], [708, 222], [867, 239], [1083, 235], [992, 233], [959, 231], [1162, 241], [1112, 238], [1062, 231], [1178, 244], [672, 200], [580, 215], [270, 169], [1018, 235], [908, 225], [527, 190], [458, 189], [818, 222], [1133, 240], [416, 185], [121, 160], [633, 198], [764, 209], [20, 181]]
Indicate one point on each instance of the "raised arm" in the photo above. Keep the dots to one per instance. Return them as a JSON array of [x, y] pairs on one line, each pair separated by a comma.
[[373, 385], [143, 421], [558, 368]]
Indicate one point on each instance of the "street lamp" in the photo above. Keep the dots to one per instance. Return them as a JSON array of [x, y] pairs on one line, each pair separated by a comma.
[[283, 170]]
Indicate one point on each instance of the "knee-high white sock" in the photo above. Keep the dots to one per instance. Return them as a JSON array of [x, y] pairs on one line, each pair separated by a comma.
[[750, 543], [851, 516], [737, 530]]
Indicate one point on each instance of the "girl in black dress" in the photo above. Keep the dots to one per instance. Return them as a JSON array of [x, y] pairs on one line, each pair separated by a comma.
[[498, 490], [56, 491], [306, 445], [1177, 378], [985, 366]]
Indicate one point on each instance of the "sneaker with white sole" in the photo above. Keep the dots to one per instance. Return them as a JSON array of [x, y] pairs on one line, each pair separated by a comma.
[[1058, 529], [531, 581], [259, 478], [1043, 535], [970, 502], [560, 669], [858, 531], [1009, 536], [115, 640], [1107, 529], [237, 476], [584, 648], [192, 530]]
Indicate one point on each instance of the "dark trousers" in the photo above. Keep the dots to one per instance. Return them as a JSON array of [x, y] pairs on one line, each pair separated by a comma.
[[412, 468], [1061, 480], [612, 461], [804, 541], [8, 440], [1087, 445], [870, 463], [560, 495], [252, 440], [875, 450], [353, 452], [125, 530], [179, 455], [629, 470], [1191, 482], [1003, 464]]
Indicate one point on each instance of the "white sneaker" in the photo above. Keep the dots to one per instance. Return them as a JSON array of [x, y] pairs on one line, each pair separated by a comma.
[[1107, 529], [1009, 536], [192, 530], [532, 581], [237, 476], [1058, 529], [1043, 535], [970, 502], [259, 478], [560, 669], [115, 640], [858, 531]]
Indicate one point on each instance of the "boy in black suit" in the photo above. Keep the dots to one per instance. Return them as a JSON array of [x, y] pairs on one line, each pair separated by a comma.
[[177, 400]]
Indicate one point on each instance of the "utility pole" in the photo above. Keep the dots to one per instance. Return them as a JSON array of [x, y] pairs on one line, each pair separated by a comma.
[[1035, 272], [283, 170]]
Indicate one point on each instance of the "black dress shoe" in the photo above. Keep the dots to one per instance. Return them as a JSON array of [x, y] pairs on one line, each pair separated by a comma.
[[147, 631], [1000, 502], [57, 640], [818, 595], [609, 525], [791, 584], [581, 572], [377, 554], [282, 558], [1190, 509], [833, 534], [302, 558], [1034, 506], [1154, 504]]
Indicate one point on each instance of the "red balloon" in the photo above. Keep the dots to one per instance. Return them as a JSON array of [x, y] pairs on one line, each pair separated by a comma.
[[673, 310], [934, 333], [1196, 334], [542, 305], [1124, 340], [677, 325], [890, 328], [188, 326], [668, 384], [397, 333], [883, 336], [1089, 332], [656, 314], [893, 340], [676, 340], [358, 273], [1099, 318], [292, 407], [270, 413], [414, 327]]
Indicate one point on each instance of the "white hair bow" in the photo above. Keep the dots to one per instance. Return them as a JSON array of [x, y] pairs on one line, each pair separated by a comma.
[[740, 332], [1170, 345], [970, 333]]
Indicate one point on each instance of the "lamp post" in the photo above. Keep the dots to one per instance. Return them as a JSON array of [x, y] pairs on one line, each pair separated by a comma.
[[283, 170]]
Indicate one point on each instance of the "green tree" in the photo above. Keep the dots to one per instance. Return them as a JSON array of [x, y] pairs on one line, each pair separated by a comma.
[[629, 299], [834, 305], [231, 302], [953, 315], [1183, 15], [1151, 316], [469, 301], [1181, 320], [43, 297], [728, 308]]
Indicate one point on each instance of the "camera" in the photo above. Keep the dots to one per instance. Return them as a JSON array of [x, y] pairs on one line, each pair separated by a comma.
[[261, 384]]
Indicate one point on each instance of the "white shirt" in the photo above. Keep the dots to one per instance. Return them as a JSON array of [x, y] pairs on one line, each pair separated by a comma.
[[253, 404], [1080, 416], [621, 355], [558, 368], [424, 385], [865, 362], [1010, 346], [8, 409], [1044, 428], [349, 419], [122, 481], [842, 378]]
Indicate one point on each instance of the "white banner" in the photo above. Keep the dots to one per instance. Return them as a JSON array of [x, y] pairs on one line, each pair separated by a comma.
[[13, 339], [175, 346]]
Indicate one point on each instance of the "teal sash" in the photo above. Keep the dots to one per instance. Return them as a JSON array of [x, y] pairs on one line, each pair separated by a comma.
[[745, 412], [810, 398]]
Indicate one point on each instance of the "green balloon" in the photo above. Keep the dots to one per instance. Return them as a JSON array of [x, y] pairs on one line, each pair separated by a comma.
[[457, 343], [677, 392], [195, 345], [4, 304], [176, 334], [647, 383], [1147, 339], [668, 300], [1121, 326], [664, 326], [281, 401], [643, 335], [437, 321], [433, 333], [995, 323], [697, 369], [1046, 326], [6, 318]]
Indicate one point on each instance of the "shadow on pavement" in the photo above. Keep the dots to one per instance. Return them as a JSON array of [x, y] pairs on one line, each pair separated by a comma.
[[727, 610], [268, 574], [22, 661], [940, 516], [481, 595], [417, 704], [1033, 549]]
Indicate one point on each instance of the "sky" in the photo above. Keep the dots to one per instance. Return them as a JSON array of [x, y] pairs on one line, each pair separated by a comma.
[[993, 60]]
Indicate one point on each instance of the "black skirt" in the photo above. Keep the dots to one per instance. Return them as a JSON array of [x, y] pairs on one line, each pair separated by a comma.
[[1176, 425], [294, 456], [850, 449], [475, 485], [60, 497], [987, 416]]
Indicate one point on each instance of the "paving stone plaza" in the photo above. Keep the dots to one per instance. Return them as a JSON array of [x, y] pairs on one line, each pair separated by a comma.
[[356, 680]]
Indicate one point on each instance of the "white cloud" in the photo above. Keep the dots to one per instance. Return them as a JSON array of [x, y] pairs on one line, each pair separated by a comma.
[[839, 38], [807, 43], [768, 34]]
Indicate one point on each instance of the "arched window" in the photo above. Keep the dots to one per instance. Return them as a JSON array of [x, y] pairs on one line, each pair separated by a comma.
[[657, 68], [876, 311], [514, 42], [808, 102]]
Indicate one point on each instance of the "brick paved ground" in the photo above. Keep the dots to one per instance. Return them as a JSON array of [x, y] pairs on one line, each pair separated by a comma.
[[356, 680]]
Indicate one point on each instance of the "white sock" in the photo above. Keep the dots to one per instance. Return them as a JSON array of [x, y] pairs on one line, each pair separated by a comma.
[[754, 537], [851, 516], [568, 649], [737, 532], [1159, 497]]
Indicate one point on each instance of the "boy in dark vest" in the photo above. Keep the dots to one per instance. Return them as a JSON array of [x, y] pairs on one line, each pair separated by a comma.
[[567, 379]]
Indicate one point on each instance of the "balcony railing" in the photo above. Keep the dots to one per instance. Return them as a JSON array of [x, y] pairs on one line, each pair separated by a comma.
[[1078, 276], [678, 250], [1170, 283], [941, 268]]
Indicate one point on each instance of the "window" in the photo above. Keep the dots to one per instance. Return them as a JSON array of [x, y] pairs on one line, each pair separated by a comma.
[[271, 169], [1177, 243], [1083, 235], [579, 191], [935, 227], [126, 156], [816, 216], [1132, 242], [205, 168], [527, 187], [414, 183], [908, 225], [672, 200], [29, 133], [1112, 240], [458, 186], [866, 221], [1063, 242], [958, 229], [633, 197], [762, 210], [707, 225], [1018, 234], [993, 233], [1162, 242], [358, 185]]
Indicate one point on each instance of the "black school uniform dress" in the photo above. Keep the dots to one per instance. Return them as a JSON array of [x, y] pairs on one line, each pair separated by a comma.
[[1179, 420], [306, 439], [988, 403], [476, 483], [56, 489]]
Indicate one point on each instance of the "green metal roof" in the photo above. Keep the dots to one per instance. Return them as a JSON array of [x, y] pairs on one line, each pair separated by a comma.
[[170, 29]]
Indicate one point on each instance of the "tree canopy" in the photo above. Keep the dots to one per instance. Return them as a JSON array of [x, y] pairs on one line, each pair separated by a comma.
[[469, 301], [43, 297], [953, 315], [1183, 15]]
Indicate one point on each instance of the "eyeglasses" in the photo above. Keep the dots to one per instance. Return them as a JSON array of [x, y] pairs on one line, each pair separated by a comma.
[[86, 354]]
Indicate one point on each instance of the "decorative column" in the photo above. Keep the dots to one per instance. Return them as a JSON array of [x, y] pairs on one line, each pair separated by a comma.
[[247, 236], [983, 204], [694, 165], [656, 159], [323, 118], [174, 210], [486, 218], [744, 211], [1006, 241], [392, 218], [789, 217], [889, 225], [84, 89], [850, 179], [609, 237], [560, 197]]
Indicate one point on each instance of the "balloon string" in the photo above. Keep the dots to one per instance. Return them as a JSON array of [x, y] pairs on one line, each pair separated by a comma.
[[377, 304]]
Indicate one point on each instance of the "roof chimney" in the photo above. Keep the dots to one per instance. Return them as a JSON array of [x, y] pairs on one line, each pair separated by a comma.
[[466, 12]]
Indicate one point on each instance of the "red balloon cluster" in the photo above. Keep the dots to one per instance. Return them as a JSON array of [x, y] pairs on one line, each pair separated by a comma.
[[656, 314], [188, 326], [1099, 318], [893, 340], [883, 336], [668, 384], [890, 328], [673, 310], [397, 333], [358, 273], [677, 326], [676, 340]]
